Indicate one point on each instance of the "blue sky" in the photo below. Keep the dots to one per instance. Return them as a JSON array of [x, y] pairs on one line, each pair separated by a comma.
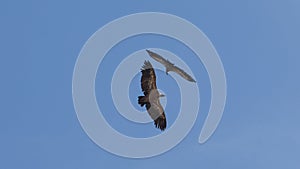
[[258, 43]]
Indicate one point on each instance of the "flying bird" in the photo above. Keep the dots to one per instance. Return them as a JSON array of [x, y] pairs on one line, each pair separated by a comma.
[[170, 66], [151, 96]]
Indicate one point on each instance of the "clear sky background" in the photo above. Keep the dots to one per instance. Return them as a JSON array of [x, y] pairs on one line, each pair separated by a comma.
[[258, 43]]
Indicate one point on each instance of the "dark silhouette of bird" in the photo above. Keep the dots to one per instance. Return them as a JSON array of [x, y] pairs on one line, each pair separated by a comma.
[[170, 66], [151, 96]]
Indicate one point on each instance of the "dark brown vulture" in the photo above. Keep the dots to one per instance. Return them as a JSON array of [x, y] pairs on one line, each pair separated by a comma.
[[151, 96], [170, 66]]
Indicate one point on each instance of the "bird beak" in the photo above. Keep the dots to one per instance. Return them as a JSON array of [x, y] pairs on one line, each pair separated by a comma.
[[162, 95]]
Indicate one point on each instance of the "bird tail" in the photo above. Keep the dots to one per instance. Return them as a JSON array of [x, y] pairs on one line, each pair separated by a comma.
[[142, 100]]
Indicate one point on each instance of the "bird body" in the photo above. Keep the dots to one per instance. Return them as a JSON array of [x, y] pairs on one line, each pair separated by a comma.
[[170, 66], [151, 96]]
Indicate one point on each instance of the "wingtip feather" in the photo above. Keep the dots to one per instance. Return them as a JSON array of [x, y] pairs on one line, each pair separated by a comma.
[[160, 123]]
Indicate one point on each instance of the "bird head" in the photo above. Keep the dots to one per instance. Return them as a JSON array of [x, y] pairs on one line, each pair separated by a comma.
[[161, 95], [167, 70]]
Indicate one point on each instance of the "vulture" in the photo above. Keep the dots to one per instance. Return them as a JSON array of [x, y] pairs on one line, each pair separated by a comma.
[[170, 66], [151, 96]]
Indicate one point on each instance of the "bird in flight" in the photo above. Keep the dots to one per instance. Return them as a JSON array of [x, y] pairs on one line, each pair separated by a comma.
[[151, 96], [170, 66]]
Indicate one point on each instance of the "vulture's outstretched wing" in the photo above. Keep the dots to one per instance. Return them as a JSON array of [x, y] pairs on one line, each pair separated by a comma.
[[148, 80], [159, 58], [170, 66], [151, 96], [183, 74]]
